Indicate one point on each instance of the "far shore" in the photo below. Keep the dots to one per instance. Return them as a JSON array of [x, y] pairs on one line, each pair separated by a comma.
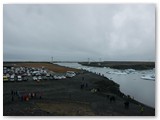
[[122, 64], [137, 65]]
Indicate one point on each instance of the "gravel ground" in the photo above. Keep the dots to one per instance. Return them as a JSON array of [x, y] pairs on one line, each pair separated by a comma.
[[68, 94]]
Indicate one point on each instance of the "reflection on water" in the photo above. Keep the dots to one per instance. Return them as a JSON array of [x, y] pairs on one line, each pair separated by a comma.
[[130, 81]]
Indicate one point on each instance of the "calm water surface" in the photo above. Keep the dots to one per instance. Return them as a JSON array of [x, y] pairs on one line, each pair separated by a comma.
[[130, 84]]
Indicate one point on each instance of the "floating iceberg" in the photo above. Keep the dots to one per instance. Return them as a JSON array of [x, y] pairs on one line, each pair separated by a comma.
[[148, 77], [122, 72], [117, 72], [130, 71]]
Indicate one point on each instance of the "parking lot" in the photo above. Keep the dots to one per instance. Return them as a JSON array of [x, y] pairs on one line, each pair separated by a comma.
[[24, 73]]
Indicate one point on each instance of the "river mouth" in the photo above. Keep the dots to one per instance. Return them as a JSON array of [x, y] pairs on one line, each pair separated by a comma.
[[142, 90]]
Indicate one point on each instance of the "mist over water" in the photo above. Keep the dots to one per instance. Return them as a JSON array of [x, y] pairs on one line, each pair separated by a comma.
[[130, 84]]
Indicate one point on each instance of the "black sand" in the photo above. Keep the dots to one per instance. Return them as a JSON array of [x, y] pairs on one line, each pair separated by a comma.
[[66, 97]]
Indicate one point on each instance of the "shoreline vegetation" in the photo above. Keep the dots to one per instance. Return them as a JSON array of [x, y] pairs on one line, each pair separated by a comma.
[[86, 94]]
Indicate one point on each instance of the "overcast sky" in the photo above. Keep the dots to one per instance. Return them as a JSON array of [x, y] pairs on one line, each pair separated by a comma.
[[78, 32]]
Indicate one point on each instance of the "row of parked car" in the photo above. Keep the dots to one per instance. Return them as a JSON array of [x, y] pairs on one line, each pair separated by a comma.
[[36, 74]]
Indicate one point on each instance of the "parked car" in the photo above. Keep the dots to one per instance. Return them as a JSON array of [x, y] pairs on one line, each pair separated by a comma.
[[51, 77], [63, 77], [70, 74], [5, 78], [19, 78], [59, 77], [39, 78], [44, 78], [25, 78], [12, 78], [35, 78]]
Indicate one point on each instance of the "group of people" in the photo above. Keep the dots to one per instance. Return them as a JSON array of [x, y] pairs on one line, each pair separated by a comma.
[[25, 96], [141, 108], [112, 98]]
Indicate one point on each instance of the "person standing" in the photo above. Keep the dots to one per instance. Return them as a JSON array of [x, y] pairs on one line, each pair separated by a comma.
[[141, 110]]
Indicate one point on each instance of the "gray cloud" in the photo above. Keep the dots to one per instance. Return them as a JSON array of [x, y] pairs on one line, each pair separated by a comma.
[[78, 32]]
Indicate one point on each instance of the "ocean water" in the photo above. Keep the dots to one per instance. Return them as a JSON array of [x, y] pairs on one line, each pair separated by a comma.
[[130, 81]]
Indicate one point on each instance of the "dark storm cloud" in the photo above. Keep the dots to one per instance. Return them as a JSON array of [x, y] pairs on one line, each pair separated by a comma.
[[78, 32]]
